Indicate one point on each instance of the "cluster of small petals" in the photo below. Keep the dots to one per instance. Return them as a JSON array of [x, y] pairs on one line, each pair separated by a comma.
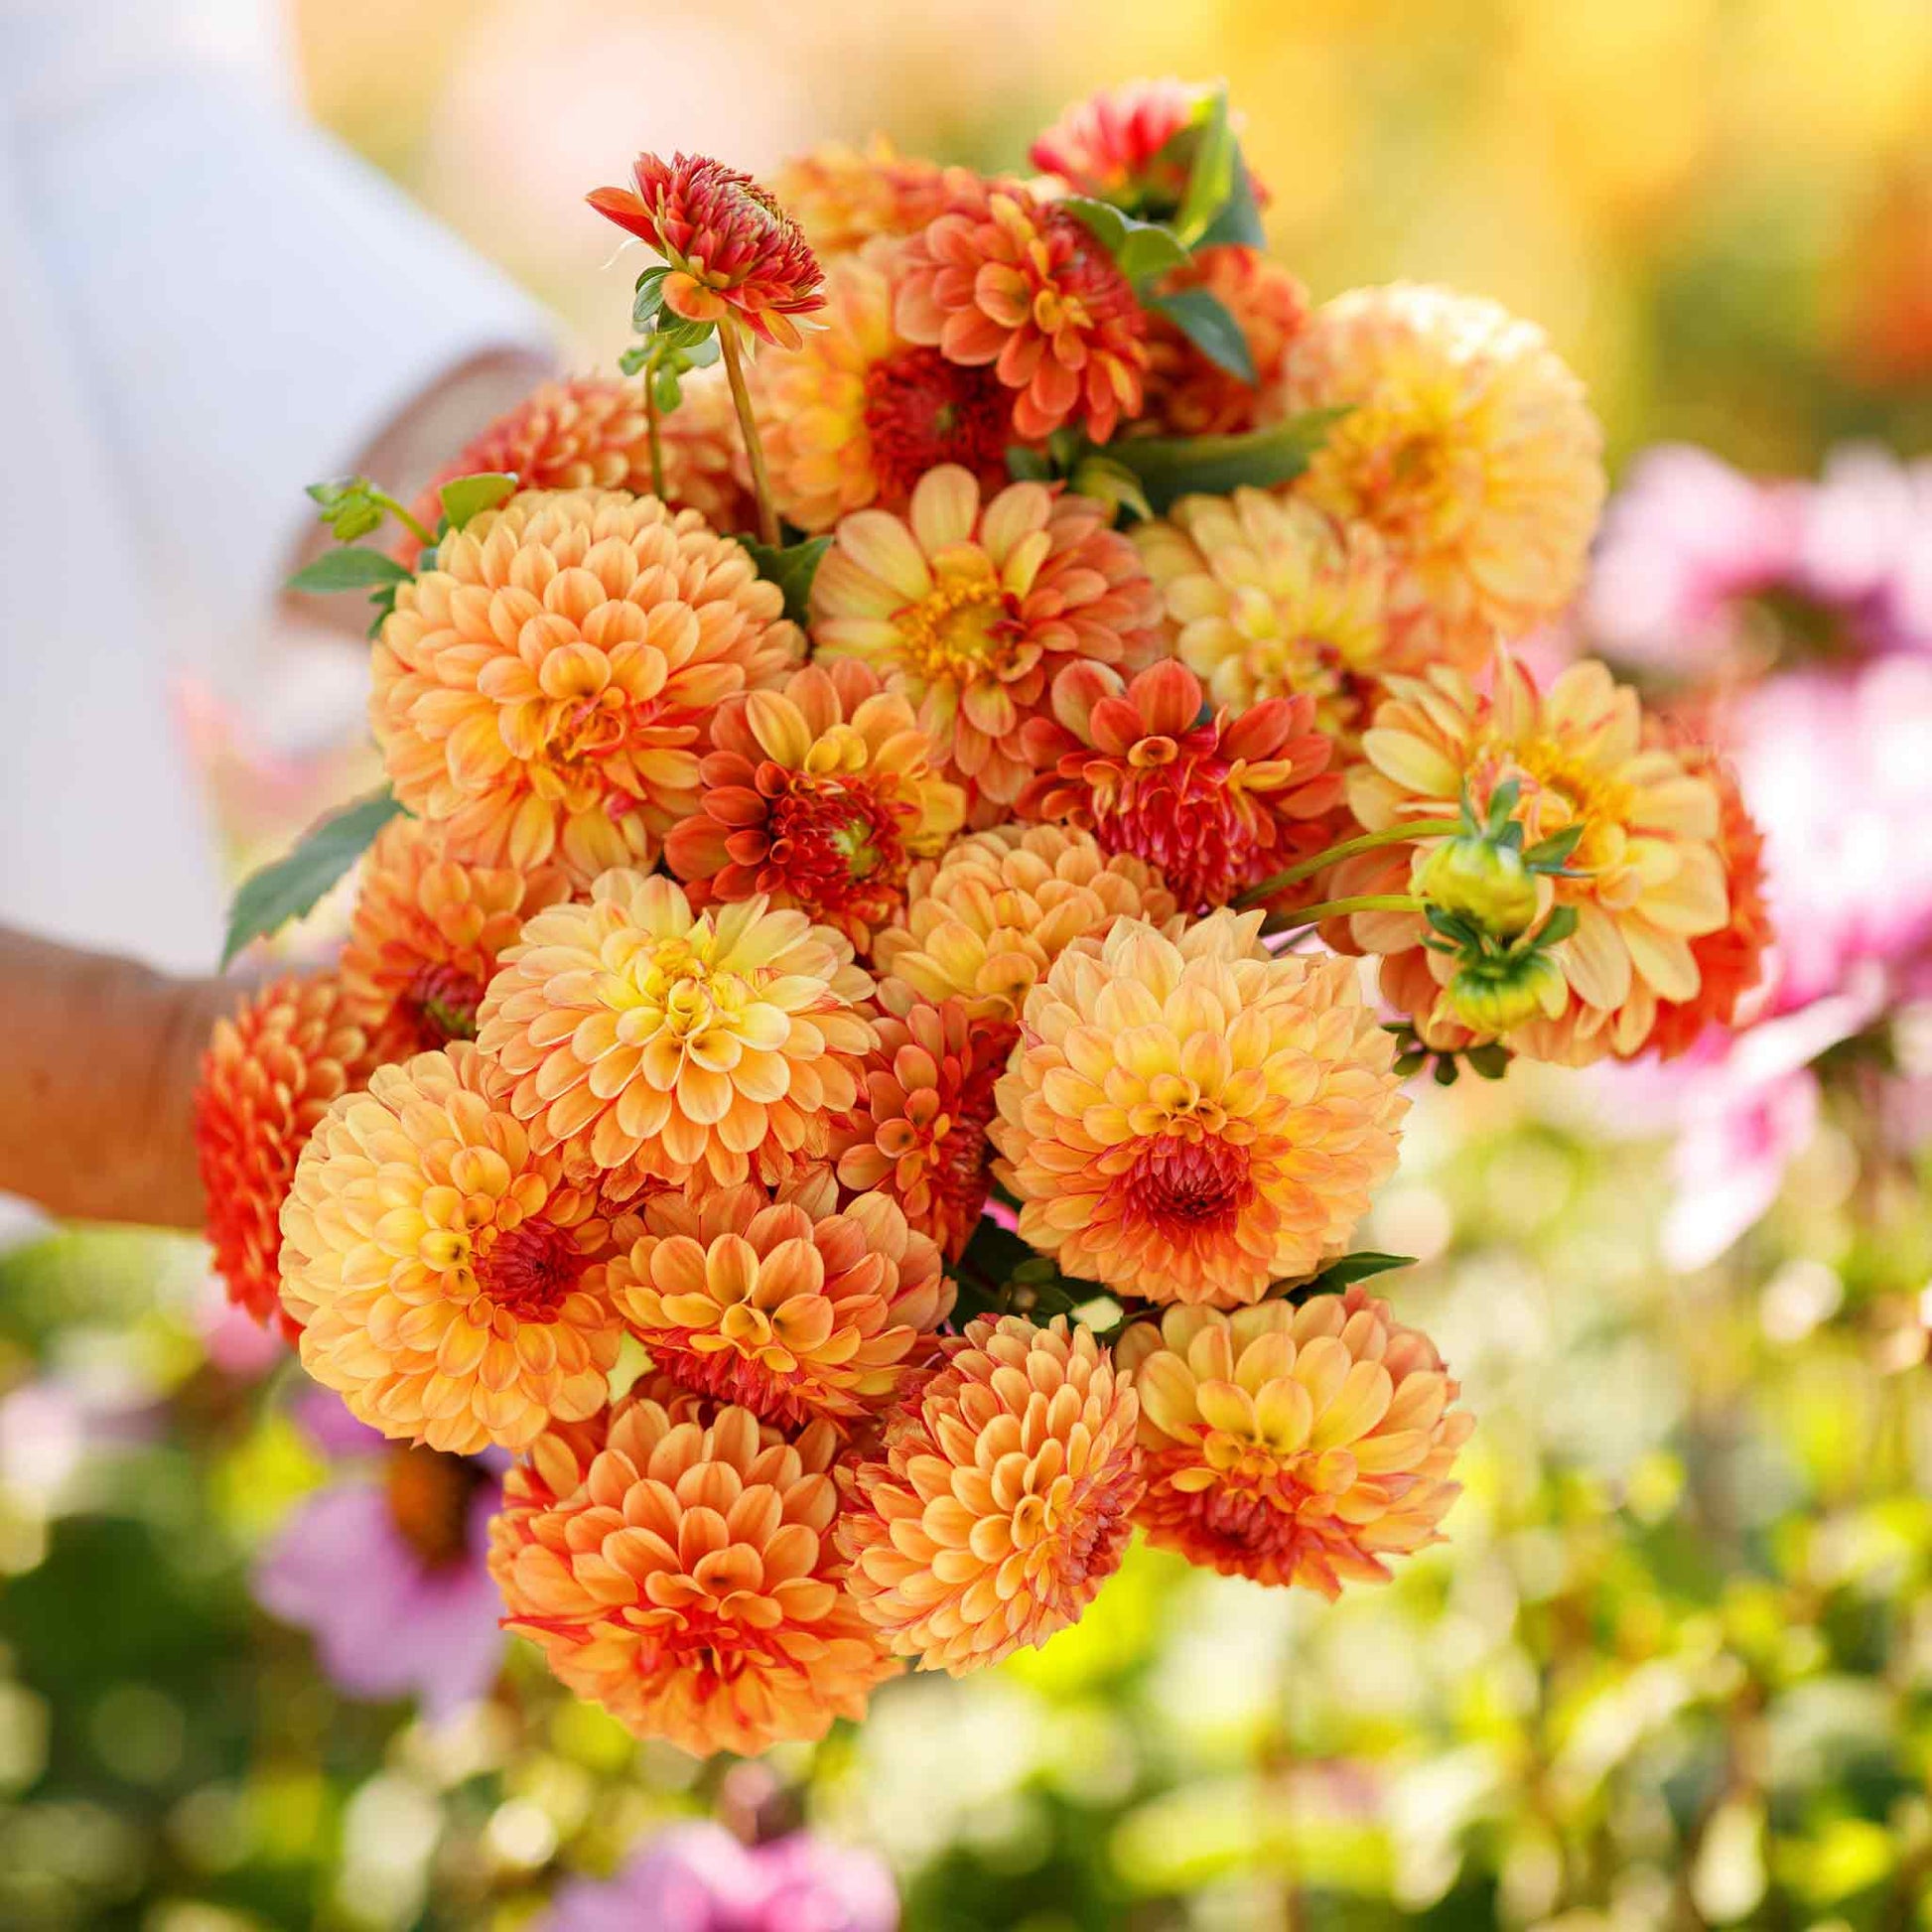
[[1650, 873], [649, 1041], [998, 1503], [540, 695], [1294, 1444], [820, 796], [270, 1073], [1191, 394], [791, 1314], [1004, 280], [436, 1264], [1115, 145], [843, 196], [1215, 802], [1267, 597], [1467, 442], [988, 918], [917, 1135], [971, 608], [425, 935], [680, 1572], [1196, 1118], [735, 254]]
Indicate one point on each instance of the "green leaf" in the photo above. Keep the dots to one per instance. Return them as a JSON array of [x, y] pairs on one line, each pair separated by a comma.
[[1210, 180], [1029, 465], [1239, 221], [649, 299], [793, 568], [1171, 468], [349, 570], [1140, 249], [466, 496], [291, 885], [636, 358], [666, 389], [1203, 318], [1488, 1062], [1341, 1274]]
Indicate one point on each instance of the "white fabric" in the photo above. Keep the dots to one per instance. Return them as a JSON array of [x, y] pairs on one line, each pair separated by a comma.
[[203, 306]]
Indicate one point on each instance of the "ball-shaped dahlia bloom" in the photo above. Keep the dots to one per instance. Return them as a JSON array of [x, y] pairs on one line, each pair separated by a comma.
[[270, 1073], [843, 196], [988, 918], [540, 695], [1196, 1118], [1294, 1444], [1466, 444], [1118, 145], [426, 934], [1215, 801], [997, 1504], [970, 607], [436, 1264], [1267, 597], [735, 255], [791, 1314], [1191, 394], [681, 1573], [820, 796], [1649, 873], [918, 1135], [1004, 280], [649, 1041], [860, 414]]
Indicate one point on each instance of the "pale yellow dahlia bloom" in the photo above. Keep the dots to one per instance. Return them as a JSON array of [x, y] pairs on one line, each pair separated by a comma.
[[1650, 867], [1293, 1444], [1195, 1119], [436, 1264], [987, 920], [543, 693], [1466, 444], [649, 1042], [843, 196]]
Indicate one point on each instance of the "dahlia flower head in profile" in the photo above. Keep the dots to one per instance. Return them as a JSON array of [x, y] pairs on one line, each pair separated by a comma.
[[1120, 145]]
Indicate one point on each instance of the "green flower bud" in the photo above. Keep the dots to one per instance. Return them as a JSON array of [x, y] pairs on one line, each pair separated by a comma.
[[1482, 881], [1497, 996]]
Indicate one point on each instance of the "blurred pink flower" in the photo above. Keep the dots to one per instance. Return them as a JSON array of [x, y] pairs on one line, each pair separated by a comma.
[[697, 1877]]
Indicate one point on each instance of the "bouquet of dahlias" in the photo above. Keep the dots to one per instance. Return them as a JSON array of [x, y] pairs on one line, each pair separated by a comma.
[[930, 821]]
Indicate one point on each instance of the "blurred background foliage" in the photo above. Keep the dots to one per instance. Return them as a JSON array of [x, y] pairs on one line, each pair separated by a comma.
[[1674, 1667]]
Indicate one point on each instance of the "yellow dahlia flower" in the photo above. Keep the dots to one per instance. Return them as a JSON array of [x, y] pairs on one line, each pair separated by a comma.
[[998, 1503], [1195, 1119], [989, 918], [1651, 868], [1293, 1445], [971, 608], [790, 1314], [649, 1042], [436, 1264], [542, 693], [1467, 444], [1267, 597], [681, 1573]]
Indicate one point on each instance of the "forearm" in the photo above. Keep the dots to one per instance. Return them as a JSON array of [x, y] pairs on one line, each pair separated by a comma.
[[97, 1083]]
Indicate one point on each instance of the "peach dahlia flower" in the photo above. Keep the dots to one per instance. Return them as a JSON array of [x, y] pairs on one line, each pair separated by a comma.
[[843, 196]]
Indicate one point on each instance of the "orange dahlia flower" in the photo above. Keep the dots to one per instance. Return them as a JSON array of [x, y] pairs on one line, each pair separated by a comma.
[[542, 692], [425, 935], [1196, 1118], [1650, 873], [436, 1264], [1007, 280], [1215, 804], [1467, 444], [1294, 1444], [1118, 145], [917, 1135], [987, 920], [817, 795], [735, 254], [790, 1314], [843, 196], [682, 1575], [998, 1503], [269, 1074], [1269, 598], [970, 609], [649, 1042], [1188, 394], [860, 414]]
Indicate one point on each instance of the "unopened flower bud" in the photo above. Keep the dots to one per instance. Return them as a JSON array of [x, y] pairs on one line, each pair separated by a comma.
[[1112, 483], [1496, 996], [1482, 881]]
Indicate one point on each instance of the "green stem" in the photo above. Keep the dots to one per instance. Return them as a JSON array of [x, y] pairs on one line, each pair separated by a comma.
[[1337, 909], [654, 435], [427, 539], [1421, 828], [753, 450]]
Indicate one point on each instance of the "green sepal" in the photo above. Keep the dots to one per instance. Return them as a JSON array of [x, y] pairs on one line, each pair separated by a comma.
[[1029, 465], [349, 569], [1211, 177], [1203, 318], [1238, 225], [1558, 927], [1140, 249], [1488, 1062], [468, 496], [792, 567], [294, 884], [1173, 467], [648, 300], [1554, 853]]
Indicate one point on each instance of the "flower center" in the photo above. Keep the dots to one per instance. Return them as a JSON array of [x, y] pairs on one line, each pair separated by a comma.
[[1188, 1188], [530, 1270], [922, 411], [428, 1497], [442, 1002], [958, 630], [837, 843]]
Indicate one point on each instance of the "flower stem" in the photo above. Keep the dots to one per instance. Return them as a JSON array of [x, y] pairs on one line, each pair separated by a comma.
[[1421, 828], [654, 437], [427, 539], [1337, 909], [754, 449]]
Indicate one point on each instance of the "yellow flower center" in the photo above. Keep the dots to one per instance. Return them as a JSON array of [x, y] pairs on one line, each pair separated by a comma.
[[957, 631], [1404, 465], [1558, 790]]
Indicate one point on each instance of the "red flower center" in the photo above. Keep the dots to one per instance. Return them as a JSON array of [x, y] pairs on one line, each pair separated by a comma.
[[1187, 1187], [531, 1268], [836, 845], [922, 411], [442, 1000]]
